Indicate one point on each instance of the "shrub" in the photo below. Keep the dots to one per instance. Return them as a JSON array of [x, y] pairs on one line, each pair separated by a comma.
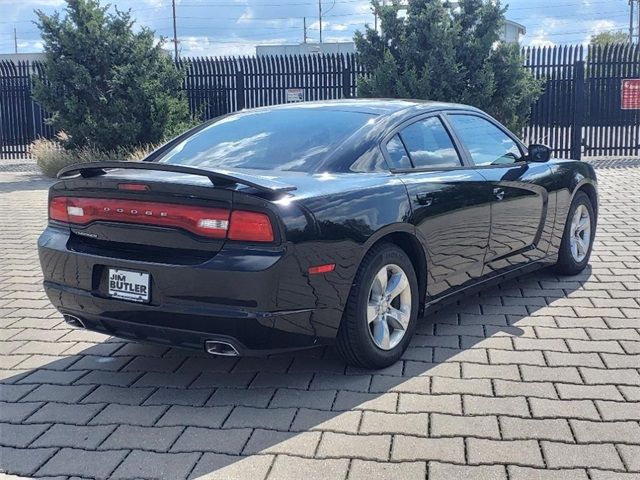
[[439, 51], [52, 156], [108, 83]]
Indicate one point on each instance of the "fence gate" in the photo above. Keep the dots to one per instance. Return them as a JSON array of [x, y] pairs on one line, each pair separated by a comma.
[[609, 128], [581, 110]]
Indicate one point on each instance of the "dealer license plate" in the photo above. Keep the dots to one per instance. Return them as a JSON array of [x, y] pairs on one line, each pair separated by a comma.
[[128, 285]]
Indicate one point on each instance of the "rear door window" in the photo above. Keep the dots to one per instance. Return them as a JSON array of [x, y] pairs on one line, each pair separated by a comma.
[[429, 144]]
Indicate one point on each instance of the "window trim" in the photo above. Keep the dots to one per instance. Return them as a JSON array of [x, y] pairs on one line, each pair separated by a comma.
[[521, 147], [462, 154], [387, 155]]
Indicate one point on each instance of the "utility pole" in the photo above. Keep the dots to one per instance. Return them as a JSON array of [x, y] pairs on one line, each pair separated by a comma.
[[631, 20], [304, 25], [15, 39], [320, 17], [175, 32]]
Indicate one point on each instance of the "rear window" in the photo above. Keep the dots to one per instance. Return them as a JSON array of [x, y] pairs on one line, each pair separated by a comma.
[[284, 139]]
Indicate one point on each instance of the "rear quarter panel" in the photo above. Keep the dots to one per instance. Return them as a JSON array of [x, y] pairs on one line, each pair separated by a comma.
[[568, 177], [336, 222]]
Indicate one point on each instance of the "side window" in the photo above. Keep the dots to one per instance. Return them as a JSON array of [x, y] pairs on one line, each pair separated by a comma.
[[429, 145], [487, 143], [397, 153]]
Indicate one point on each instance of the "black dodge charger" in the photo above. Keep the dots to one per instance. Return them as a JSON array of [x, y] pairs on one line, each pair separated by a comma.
[[292, 226]]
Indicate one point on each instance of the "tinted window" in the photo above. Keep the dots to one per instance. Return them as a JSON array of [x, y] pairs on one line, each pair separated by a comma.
[[398, 153], [284, 139], [487, 143], [429, 144]]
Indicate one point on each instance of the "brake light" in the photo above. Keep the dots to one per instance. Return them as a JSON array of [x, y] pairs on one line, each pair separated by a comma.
[[205, 221], [133, 187], [250, 227]]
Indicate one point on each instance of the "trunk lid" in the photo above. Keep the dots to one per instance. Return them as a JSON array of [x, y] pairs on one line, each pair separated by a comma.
[[139, 236]]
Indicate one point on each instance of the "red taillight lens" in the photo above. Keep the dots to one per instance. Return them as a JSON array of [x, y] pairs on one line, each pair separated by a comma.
[[58, 209], [250, 227], [208, 222]]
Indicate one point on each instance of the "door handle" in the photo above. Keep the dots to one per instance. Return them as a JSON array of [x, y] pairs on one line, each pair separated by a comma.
[[424, 199], [498, 193]]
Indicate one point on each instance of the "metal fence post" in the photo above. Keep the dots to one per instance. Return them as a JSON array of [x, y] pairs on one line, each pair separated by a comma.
[[578, 111], [346, 82], [239, 90]]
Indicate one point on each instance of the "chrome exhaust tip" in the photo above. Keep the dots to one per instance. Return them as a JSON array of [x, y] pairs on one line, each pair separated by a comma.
[[222, 349], [74, 321]]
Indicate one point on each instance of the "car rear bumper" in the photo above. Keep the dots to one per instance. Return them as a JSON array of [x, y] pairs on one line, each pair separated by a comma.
[[257, 300]]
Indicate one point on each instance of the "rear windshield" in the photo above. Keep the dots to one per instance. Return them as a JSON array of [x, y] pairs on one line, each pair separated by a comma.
[[283, 139]]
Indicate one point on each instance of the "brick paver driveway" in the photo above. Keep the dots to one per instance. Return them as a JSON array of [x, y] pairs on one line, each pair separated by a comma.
[[537, 378]]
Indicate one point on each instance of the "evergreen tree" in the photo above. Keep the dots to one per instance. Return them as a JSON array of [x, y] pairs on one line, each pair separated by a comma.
[[454, 54], [106, 85]]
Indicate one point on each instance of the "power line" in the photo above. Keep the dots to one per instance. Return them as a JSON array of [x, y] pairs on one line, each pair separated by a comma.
[[311, 3], [192, 26], [603, 15], [611, 15]]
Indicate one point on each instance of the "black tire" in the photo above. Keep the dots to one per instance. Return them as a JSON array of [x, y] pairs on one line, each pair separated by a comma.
[[354, 342], [567, 264]]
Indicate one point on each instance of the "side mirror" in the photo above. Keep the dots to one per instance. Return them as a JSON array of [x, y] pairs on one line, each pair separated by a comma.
[[539, 153]]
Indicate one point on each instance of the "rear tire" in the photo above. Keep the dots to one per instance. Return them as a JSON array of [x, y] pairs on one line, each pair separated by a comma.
[[382, 309], [577, 239]]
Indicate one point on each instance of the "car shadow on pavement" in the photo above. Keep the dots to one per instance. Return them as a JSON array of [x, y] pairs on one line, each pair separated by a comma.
[[122, 409]]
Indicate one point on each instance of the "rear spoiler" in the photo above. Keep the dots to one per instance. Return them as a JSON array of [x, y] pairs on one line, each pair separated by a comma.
[[222, 179]]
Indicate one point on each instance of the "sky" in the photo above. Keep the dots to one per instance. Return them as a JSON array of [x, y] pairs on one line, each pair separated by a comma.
[[234, 27]]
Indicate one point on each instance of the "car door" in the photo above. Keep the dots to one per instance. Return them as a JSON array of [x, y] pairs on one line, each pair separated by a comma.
[[450, 202], [520, 203]]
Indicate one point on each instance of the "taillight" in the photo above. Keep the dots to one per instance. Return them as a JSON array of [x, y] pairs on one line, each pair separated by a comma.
[[250, 227], [58, 209], [204, 221]]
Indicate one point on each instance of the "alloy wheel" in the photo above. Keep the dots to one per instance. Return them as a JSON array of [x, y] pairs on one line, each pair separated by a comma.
[[580, 233], [389, 307]]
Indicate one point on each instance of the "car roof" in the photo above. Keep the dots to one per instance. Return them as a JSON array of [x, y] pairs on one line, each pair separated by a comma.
[[373, 106]]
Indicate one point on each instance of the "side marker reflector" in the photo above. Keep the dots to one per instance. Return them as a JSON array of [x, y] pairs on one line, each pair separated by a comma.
[[318, 269]]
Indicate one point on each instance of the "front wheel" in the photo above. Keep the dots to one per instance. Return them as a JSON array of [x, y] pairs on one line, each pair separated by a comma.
[[577, 239], [381, 312]]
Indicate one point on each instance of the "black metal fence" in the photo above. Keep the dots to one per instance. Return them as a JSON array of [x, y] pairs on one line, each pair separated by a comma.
[[215, 86], [579, 112], [22, 119]]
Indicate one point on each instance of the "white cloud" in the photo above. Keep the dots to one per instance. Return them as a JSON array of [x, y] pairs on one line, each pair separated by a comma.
[[541, 41], [207, 46], [599, 26], [30, 46], [35, 3], [540, 37], [155, 3], [338, 27], [247, 16]]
